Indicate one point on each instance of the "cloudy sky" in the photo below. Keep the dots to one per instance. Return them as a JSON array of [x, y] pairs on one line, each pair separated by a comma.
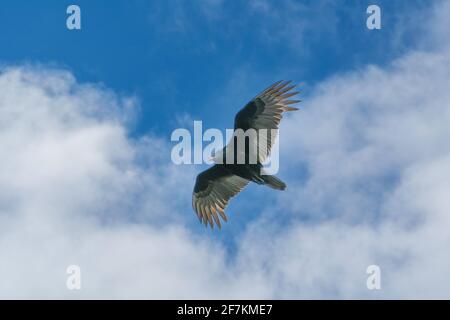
[[85, 171]]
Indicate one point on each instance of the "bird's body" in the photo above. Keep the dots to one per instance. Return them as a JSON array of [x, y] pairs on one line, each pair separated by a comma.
[[238, 164]]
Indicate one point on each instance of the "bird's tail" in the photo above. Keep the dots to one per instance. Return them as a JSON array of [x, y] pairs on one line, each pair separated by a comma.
[[273, 182]]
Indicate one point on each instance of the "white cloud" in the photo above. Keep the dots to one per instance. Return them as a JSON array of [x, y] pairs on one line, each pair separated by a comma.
[[374, 143], [74, 186], [76, 189]]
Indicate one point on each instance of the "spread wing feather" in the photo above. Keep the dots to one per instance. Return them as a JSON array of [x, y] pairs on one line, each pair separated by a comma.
[[213, 190], [265, 111]]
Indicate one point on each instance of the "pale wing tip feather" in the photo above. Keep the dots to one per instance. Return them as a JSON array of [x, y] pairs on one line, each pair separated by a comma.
[[286, 102], [210, 210]]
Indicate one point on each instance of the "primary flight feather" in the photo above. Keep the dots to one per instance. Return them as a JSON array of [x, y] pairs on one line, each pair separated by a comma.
[[215, 186]]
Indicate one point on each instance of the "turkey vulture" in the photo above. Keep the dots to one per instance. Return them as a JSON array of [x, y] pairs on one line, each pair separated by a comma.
[[215, 186]]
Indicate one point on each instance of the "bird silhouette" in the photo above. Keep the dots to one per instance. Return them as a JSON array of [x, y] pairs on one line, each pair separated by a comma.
[[237, 164]]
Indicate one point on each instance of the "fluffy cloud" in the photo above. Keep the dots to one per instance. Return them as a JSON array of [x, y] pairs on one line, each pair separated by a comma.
[[374, 153], [75, 189], [371, 160]]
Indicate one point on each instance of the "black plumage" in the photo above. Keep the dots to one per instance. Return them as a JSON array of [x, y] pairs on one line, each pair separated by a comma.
[[215, 186]]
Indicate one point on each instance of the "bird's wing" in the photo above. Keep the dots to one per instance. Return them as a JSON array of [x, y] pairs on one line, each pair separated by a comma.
[[265, 111], [213, 189]]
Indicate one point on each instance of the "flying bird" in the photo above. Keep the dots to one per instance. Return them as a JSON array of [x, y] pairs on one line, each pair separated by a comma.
[[215, 186]]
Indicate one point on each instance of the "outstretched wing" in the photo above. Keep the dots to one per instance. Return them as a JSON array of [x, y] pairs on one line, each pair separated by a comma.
[[265, 111], [213, 189]]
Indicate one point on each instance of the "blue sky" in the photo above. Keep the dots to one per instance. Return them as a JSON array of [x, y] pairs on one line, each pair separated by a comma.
[[186, 55], [360, 157], [204, 60]]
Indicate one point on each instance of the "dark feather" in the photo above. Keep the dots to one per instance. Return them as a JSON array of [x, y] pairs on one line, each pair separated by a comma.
[[215, 186]]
